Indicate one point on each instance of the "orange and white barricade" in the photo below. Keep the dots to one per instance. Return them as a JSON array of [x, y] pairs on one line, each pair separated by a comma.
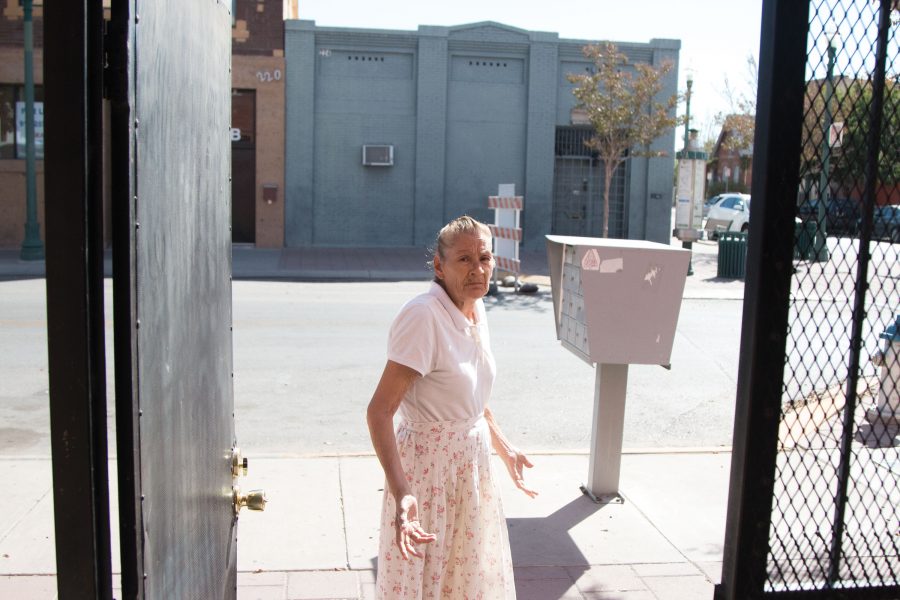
[[506, 231]]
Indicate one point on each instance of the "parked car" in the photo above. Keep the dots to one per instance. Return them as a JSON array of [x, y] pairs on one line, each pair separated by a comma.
[[886, 223], [708, 203], [841, 214], [730, 213]]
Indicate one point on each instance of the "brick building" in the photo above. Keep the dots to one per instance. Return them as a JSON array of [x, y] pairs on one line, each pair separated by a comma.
[[12, 134], [730, 167], [257, 109], [258, 119], [451, 112]]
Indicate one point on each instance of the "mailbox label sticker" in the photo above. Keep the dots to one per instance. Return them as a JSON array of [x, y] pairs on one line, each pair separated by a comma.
[[612, 265], [591, 260]]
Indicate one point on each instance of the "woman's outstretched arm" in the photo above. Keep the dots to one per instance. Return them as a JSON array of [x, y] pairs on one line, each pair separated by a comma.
[[512, 457], [395, 381]]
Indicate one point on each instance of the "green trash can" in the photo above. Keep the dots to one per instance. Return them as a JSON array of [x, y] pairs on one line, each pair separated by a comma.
[[732, 259], [804, 237]]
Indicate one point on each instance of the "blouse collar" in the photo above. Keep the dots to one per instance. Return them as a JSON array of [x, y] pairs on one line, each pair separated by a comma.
[[456, 315]]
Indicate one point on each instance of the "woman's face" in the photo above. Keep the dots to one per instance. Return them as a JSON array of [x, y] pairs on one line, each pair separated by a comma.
[[466, 268]]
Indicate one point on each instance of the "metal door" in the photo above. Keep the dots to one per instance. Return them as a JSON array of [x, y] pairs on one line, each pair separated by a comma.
[[170, 99], [577, 196], [578, 188]]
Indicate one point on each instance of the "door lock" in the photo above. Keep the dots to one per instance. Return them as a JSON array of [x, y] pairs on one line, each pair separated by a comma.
[[253, 500], [239, 463]]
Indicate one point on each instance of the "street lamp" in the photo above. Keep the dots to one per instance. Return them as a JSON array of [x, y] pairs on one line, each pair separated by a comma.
[[687, 108], [32, 247], [690, 180], [820, 247]]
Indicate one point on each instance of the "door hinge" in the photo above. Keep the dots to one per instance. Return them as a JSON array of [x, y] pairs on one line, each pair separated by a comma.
[[115, 61]]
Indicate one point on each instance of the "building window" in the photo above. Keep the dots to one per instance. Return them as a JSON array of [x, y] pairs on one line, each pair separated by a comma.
[[12, 121]]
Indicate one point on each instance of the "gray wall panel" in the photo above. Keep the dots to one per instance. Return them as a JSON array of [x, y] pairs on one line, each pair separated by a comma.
[[538, 213], [300, 85], [357, 205], [431, 135], [486, 139], [359, 102]]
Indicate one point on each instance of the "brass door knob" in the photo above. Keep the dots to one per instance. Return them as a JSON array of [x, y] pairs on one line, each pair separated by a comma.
[[238, 463], [253, 500]]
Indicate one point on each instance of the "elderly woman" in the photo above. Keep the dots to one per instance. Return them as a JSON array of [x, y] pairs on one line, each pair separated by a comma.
[[443, 533]]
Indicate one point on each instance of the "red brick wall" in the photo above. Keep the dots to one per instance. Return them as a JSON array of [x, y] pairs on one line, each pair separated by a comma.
[[12, 29], [258, 28]]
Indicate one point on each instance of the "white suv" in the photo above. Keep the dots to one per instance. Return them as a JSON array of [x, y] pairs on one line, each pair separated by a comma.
[[730, 213]]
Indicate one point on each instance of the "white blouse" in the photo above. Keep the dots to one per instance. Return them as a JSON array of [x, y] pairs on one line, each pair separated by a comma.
[[453, 355]]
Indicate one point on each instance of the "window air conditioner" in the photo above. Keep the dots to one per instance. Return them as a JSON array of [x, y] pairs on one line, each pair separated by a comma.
[[377, 155]]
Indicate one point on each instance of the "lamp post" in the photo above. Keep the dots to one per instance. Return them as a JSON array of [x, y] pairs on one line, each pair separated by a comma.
[[820, 247], [690, 183], [687, 124], [687, 108], [32, 247]]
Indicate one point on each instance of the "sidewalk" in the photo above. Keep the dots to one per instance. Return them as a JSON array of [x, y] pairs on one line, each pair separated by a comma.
[[318, 537]]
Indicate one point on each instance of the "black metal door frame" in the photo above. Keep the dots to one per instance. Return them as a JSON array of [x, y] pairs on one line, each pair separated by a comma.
[[776, 177], [73, 47], [121, 92]]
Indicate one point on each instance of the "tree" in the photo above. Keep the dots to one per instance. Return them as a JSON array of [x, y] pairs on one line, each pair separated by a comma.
[[622, 108], [740, 123], [850, 159]]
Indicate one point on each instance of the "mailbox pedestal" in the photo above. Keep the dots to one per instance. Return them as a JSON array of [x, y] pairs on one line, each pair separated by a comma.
[[615, 302]]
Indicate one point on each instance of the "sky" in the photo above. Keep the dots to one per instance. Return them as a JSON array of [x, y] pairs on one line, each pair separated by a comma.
[[717, 36]]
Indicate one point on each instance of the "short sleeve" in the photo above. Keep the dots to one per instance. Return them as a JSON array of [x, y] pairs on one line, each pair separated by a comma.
[[411, 341]]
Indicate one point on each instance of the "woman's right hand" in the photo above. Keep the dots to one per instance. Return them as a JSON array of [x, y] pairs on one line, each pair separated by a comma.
[[409, 530]]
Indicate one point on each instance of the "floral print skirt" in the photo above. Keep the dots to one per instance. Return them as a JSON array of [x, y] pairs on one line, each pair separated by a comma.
[[448, 466]]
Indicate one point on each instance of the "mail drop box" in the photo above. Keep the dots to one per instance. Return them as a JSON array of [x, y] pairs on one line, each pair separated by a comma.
[[616, 301]]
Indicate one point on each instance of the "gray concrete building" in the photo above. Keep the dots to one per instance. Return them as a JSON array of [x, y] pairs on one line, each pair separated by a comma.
[[445, 115]]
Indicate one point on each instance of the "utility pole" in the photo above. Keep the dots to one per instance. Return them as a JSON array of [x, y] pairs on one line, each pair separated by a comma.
[[820, 247], [32, 247]]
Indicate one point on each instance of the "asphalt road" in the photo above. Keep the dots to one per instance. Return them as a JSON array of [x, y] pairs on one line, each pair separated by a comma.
[[307, 357]]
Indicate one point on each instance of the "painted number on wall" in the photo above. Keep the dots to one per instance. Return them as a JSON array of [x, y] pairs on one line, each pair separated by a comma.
[[235, 134], [269, 75]]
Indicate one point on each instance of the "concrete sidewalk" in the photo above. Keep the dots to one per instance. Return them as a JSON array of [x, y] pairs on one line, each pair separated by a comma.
[[318, 537]]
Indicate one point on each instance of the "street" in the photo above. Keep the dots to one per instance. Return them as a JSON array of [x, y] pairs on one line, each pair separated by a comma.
[[307, 357]]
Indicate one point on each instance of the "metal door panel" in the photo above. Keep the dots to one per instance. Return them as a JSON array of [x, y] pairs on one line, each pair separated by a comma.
[[577, 196], [175, 332]]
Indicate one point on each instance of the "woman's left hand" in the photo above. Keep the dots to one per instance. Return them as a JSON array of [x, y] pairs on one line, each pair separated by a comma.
[[515, 461]]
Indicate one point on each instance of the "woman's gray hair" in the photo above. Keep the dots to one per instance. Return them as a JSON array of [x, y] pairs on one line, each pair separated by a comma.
[[446, 236]]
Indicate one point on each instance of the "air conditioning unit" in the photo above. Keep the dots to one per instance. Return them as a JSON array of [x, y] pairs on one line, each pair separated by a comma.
[[378, 155]]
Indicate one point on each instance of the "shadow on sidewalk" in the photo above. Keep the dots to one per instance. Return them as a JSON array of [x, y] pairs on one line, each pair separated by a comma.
[[546, 542], [540, 302]]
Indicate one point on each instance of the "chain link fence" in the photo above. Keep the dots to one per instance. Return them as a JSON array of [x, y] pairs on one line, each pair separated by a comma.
[[835, 515]]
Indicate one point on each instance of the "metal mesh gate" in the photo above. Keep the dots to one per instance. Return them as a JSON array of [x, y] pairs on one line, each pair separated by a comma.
[[578, 188], [836, 503], [815, 498]]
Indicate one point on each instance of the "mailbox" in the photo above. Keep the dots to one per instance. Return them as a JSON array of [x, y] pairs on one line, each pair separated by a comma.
[[615, 302]]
